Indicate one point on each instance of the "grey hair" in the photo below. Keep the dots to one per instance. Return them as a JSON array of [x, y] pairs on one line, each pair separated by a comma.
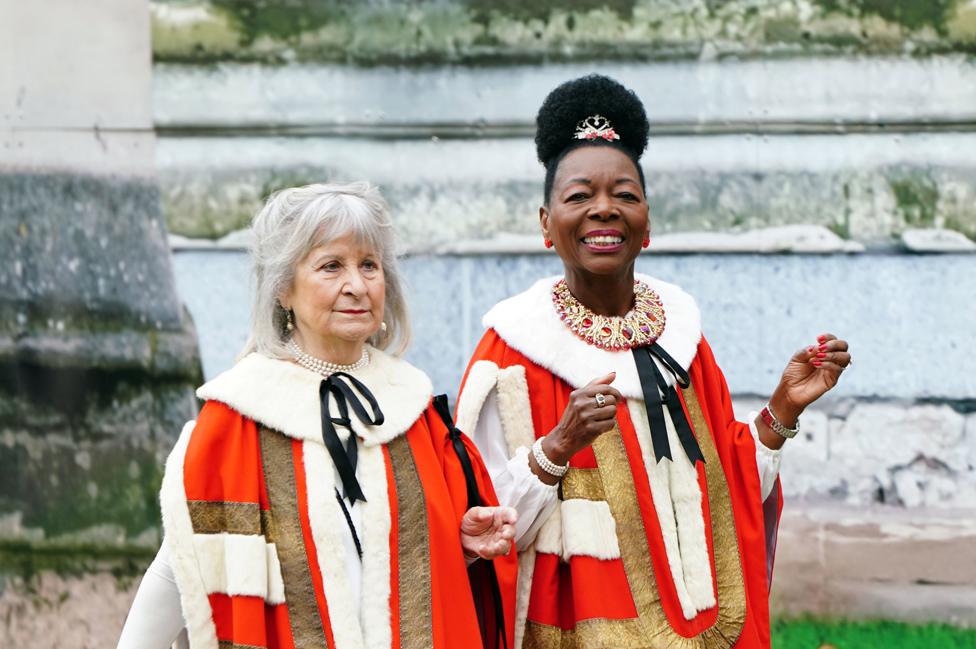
[[289, 226]]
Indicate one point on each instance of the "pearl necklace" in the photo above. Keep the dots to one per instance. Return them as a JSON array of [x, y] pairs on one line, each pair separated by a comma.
[[643, 325], [325, 368]]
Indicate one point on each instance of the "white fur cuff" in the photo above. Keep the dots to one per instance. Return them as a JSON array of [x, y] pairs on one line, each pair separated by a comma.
[[240, 564]]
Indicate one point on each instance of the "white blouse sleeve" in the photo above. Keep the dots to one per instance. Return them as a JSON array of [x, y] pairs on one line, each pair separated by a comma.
[[767, 460], [515, 484], [156, 617]]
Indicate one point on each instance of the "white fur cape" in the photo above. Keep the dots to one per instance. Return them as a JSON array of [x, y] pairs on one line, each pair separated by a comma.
[[528, 323], [283, 396]]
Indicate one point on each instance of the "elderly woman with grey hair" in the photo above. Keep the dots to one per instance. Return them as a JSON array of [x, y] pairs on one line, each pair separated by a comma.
[[323, 498]]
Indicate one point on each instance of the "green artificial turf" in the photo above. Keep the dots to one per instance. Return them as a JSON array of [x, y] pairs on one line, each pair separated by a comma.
[[814, 634]]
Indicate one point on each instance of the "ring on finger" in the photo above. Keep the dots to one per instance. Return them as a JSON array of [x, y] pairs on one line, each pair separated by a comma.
[[600, 400]]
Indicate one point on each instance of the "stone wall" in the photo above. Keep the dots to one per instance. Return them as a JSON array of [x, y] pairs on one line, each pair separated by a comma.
[[98, 358], [509, 31], [803, 154]]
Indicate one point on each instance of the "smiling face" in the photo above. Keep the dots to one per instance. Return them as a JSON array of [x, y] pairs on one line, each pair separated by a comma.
[[337, 296], [597, 213]]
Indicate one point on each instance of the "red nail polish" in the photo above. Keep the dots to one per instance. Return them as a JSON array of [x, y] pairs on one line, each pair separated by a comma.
[[821, 355], [823, 348], [817, 363], [810, 349], [821, 338]]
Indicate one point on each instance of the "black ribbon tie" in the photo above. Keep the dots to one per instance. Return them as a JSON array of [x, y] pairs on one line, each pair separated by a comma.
[[340, 386], [658, 394]]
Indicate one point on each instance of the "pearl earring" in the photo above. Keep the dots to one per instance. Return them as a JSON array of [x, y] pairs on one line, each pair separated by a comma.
[[383, 327], [289, 322]]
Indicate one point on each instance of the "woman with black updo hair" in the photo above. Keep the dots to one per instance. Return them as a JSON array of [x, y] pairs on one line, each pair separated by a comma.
[[647, 513]]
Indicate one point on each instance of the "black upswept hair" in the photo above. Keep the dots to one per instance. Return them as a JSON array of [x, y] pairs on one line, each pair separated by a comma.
[[573, 101]]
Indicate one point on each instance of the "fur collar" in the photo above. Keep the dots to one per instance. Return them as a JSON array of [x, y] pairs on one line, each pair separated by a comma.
[[285, 396], [529, 324]]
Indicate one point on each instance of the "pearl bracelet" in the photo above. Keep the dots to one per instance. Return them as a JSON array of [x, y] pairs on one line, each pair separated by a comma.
[[545, 463], [770, 420]]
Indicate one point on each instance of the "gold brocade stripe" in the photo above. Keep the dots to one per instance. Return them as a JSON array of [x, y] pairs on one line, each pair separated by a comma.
[[286, 528], [582, 483], [731, 593], [651, 629], [413, 550], [214, 517]]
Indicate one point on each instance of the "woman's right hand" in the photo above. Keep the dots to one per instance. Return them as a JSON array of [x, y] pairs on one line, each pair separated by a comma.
[[582, 422]]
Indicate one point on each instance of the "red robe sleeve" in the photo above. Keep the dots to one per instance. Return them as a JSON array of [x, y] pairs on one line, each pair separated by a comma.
[[481, 573], [737, 448]]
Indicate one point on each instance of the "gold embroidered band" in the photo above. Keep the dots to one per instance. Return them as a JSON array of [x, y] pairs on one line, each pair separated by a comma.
[[215, 517], [413, 550], [286, 528], [651, 629]]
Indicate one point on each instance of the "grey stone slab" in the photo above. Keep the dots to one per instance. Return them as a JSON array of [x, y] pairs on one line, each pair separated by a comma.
[[83, 249], [692, 92], [936, 240], [862, 187], [899, 312], [77, 65]]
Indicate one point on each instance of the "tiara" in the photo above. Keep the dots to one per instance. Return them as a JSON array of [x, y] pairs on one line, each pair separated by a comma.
[[596, 126]]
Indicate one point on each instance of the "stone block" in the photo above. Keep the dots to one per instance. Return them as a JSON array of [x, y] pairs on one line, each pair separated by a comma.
[[78, 66], [936, 240], [889, 563]]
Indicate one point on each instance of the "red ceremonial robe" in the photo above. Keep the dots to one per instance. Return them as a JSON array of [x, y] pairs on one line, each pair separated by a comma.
[[254, 527], [637, 554]]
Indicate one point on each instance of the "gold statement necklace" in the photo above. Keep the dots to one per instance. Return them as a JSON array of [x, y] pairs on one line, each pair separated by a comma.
[[643, 325]]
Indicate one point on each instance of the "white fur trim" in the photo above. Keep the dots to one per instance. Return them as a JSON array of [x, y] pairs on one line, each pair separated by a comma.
[[526, 570], [178, 527], [479, 383], [676, 507], [239, 564], [514, 408], [276, 586], [375, 595], [549, 540], [285, 396], [325, 518], [529, 324], [589, 529]]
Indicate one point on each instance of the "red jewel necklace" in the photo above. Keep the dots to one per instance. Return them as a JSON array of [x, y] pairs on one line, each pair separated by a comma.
[[643, 325]]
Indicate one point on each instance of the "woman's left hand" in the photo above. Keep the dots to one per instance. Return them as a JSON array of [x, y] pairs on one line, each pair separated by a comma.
[[487, 532], [813, 371]]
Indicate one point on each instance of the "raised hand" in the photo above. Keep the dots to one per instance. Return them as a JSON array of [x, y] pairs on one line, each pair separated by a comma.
[[814, 370], [591, 411], [487, 532]]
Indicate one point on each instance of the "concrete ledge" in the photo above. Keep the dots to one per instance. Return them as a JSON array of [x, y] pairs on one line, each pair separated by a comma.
[[936, 240], [882, 562]]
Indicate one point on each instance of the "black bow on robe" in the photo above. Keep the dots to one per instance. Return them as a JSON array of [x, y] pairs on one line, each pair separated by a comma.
[[658, 393]]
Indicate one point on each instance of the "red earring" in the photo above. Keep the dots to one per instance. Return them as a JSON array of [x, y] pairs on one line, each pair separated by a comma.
[[646, 242], [548, 243]]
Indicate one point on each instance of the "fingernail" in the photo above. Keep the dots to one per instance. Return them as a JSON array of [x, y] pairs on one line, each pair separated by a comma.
[[821, 338], [823, 348], [810, 349], [817, 363], [821, 355]]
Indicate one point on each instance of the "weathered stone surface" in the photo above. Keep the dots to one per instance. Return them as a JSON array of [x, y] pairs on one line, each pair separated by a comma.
[[912, 456], [682, 97], [482, 31], [458, 190], [756, 311], [936, 240], [64, 612], [97, 357], [876, 562], [60, 110]]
